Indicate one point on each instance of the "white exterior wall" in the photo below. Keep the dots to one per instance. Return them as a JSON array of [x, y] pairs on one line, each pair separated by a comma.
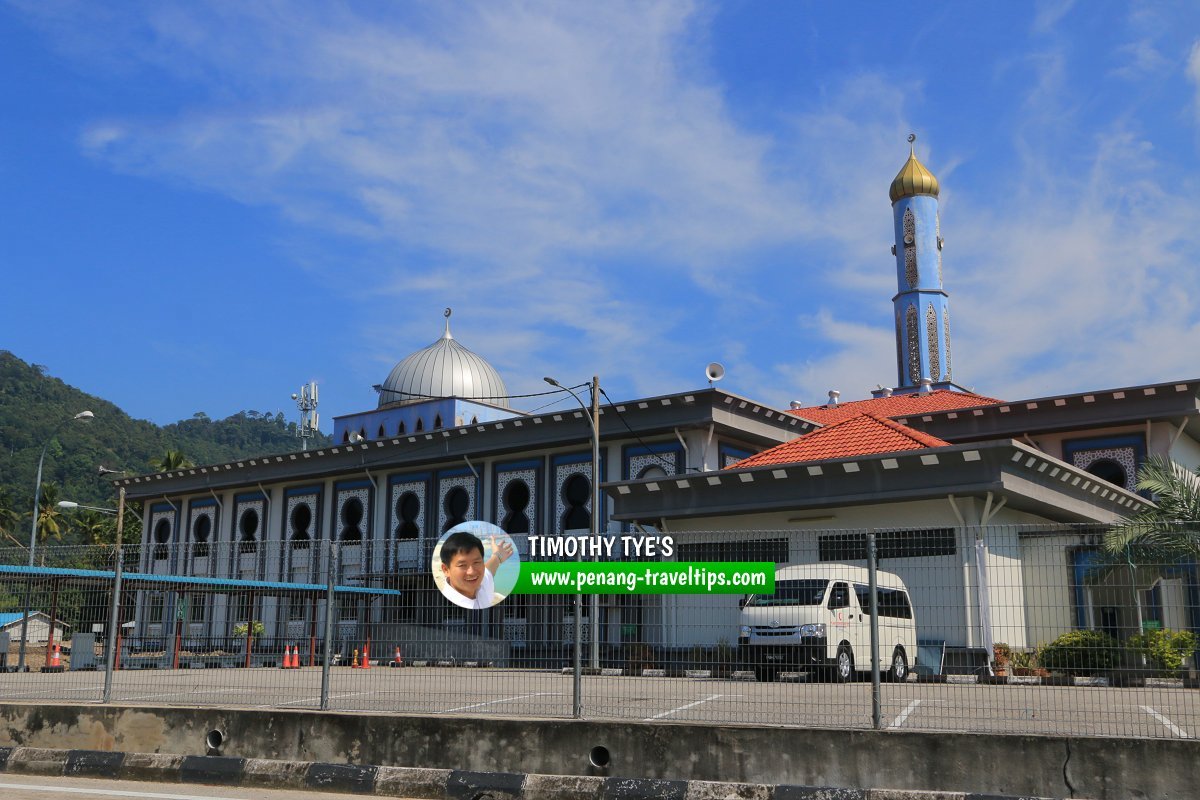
[[944, 589], [1049, 597], [1185, 451], [37, 631]]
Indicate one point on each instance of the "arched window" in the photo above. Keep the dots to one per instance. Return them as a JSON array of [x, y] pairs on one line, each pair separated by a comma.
[[437, 421], [652, 471], [456, 503], [201, 531], [408, 510], [301, 521], [162, 535], [420, 425], [576, 492], [352, 517], [516, 501], [248, 528], [1110, 471], [382, 433], [400, 431], [346, 436]]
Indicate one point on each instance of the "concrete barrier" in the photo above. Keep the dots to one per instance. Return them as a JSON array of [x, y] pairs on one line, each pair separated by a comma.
[[422, 783], [1098, 768]]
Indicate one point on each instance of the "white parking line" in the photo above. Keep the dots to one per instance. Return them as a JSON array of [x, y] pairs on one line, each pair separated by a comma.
[[903, 715], [1171, 726], [291, 702], [501, 700], [684, 708], [152, 696]]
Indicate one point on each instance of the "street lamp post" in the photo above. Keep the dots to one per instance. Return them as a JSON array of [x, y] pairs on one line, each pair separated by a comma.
[[82, 416], [594, 415], [114, 611]]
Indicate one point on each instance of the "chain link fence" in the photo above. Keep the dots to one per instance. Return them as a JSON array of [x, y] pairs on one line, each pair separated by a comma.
[[1020, 630]]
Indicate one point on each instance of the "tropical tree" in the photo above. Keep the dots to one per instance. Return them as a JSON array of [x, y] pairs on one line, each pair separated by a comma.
[[171, 460], [10, 518], [50, 520], [1171, 529], [94, 527]]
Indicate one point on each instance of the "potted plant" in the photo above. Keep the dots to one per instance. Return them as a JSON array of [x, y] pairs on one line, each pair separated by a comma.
[[1001, 656], [1025, 662]]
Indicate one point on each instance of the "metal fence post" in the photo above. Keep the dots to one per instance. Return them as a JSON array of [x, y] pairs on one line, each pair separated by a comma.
[[114, 613], [330, 608], [873, 588]]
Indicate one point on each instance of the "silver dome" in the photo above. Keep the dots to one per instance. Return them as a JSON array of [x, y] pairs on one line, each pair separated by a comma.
[[443, 369]]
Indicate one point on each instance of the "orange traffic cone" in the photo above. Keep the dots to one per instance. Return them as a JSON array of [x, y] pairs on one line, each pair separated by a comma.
[[398, 661], [295, 657], [366, 662], [55, 663], [287, 658]]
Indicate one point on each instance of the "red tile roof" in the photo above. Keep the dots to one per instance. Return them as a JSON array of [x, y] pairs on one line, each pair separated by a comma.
[[898, 405], [860, 435]]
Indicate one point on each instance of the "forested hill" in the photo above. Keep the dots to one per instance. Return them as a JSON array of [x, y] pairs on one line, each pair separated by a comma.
[[33, 404]]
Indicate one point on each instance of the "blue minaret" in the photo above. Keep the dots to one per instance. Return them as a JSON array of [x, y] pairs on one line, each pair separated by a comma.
[[922, 306]]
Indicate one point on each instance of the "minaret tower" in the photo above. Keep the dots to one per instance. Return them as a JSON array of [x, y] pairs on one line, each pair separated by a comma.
[[922, 306]]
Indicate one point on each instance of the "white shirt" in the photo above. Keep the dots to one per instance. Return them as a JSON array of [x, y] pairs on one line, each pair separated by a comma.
[[484, 598]]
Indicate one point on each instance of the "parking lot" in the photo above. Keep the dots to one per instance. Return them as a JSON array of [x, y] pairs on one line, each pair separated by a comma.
[[1158, 712]]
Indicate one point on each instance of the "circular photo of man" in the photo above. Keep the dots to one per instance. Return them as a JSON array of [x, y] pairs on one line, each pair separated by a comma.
[[475, 564]]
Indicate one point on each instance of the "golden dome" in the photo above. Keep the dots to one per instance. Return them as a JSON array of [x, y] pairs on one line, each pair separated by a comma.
[[913, 179]]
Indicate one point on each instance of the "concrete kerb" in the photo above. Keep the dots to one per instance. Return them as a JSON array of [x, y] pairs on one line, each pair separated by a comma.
[[428, 784]]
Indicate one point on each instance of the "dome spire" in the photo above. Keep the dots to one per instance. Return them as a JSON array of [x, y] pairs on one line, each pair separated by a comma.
[[446, 334], [913, 178]]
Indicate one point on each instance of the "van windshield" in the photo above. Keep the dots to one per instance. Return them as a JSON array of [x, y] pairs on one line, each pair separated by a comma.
[[793, 593]]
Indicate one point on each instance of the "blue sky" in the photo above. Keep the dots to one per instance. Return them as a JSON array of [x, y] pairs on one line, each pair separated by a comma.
[[209, 204]]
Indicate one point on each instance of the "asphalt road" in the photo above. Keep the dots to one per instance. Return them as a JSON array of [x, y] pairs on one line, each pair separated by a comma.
[[37, 787], [1087, 711]]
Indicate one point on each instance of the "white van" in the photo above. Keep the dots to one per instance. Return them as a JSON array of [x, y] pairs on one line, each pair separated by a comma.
[[818, 620]]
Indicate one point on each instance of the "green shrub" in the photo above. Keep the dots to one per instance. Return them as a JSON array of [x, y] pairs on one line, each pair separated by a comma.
[[1165, 649], [258, 629], [1081, 653]]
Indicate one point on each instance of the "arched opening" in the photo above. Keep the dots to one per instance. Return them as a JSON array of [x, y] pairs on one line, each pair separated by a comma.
[[516, 501], [420, 425], [437, 421], [300, 522], [248, 528], [400, 431], [352, 517], [576, 492], [652, 471], [1110, 471], [408, 509], [456, 503], [201, 531], [162, 535]]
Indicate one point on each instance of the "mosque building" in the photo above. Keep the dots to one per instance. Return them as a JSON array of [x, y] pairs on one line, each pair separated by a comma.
[[927, 462]]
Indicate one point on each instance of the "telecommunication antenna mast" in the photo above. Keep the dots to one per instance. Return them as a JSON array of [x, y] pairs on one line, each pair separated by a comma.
[[306, 401]]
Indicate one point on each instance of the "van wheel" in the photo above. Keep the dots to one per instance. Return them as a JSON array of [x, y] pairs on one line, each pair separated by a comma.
[[843, 667], [898, 672]]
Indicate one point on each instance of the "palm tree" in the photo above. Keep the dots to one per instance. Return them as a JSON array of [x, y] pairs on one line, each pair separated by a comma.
[[1170, 530], [50, 519], [1158, 539], [171, 460], [96, 528]]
